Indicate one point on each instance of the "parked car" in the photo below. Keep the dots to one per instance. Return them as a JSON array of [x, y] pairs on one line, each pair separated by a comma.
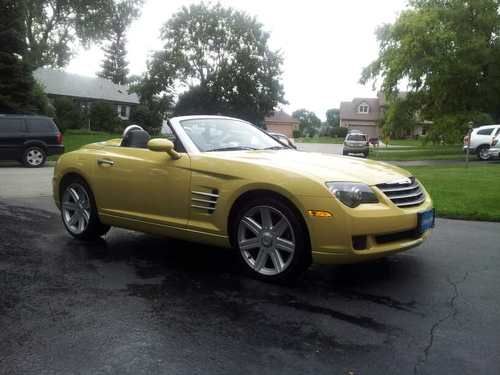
[[283, 139], [480, 140], [494, 150], [29, 139], [227, 183], [356, 143]]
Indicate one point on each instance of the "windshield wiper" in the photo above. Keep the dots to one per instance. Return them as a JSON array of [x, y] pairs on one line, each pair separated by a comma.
[[275, 148], [234, 148]]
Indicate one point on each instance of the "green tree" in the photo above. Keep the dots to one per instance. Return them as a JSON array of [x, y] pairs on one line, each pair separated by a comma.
[[68, 114], [221, 53], [54, 26], [309, 123], [16, 80], [103, 117], [115, 65], [448, 52], [333, 117], [153, 107]]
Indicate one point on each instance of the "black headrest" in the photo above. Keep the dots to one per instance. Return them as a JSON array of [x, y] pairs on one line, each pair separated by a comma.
[[136, 138]]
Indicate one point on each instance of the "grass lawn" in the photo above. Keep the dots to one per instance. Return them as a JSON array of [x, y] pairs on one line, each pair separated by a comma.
[[320, 140], [418, 153], [463, 193], [74, 139]]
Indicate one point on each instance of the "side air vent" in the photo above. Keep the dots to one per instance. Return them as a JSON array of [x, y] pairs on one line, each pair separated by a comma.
[[204, 201], [404, 193]]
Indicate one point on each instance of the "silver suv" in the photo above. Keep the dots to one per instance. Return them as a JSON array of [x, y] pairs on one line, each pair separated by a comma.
[[356, 143], [480, 140]]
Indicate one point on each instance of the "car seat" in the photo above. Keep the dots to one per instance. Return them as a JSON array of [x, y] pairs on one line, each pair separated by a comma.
[[135, 136]]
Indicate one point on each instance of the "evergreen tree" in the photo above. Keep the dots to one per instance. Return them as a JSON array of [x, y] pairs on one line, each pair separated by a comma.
[[16, 79], [115, 64]]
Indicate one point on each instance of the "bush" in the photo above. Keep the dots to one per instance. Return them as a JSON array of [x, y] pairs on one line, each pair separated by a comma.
[[150, 120], [340, 132], [41, 102], [103, 117], [68, 114], [296, 134], [451, 128]]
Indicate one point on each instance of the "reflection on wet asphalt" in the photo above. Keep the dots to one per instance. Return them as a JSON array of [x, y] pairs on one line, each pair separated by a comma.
[[134, 303]]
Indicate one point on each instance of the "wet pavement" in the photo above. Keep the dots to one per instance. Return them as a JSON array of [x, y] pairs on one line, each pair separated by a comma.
[[138, 304]]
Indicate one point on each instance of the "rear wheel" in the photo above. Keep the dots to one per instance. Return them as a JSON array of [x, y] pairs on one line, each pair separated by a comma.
[[79, 211], [482, 152], [271, 240], [365, 155], [34, 157]]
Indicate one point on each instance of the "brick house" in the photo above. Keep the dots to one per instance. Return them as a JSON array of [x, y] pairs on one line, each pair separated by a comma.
[[86, 90], [281, 122], [365, 114]]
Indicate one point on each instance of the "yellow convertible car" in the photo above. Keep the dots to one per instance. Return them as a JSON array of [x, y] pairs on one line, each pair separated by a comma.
[[222, 181]]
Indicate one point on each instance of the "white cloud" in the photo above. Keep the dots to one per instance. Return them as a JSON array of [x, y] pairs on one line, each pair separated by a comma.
[[325, 44]]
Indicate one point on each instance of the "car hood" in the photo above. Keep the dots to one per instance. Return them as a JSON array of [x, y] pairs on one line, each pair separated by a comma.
[[323, 167]]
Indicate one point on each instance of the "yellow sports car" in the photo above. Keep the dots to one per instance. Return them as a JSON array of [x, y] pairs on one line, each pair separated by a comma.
[[222, 181]]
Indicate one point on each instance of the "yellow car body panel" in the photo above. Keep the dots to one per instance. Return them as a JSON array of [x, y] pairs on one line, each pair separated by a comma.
[[150, 192]]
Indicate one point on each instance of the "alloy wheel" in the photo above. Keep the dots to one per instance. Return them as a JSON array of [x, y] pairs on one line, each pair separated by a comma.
[[76, 208], [266, 240], [34, 157], [483, 153]]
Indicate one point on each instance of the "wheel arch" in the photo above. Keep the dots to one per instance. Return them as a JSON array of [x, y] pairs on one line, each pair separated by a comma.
[[263, 192], [35, 143], [67, 176]]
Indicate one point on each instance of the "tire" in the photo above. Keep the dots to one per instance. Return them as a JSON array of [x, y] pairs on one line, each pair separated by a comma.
[[482, 152], [345, 153], [78, 203], [365, 155], [34, 157], [271, 240]]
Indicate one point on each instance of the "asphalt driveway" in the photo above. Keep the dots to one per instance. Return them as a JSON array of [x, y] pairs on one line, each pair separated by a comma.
[[139, 304]]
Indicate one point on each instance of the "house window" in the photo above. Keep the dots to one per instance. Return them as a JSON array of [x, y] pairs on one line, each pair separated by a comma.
[[363, 108], [123, 111]]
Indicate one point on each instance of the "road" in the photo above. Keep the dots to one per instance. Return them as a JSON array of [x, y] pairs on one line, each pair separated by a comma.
[[139, 304]]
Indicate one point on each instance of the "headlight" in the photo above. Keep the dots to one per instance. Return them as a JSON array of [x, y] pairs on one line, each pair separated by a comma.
[[352, 194]]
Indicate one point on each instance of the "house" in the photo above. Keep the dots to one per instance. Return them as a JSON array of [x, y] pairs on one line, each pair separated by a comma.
[[87, 90], [365, 114], [281, 122], [361, 114]]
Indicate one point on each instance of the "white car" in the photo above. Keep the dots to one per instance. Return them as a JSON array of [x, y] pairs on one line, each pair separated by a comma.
[[494, 150], [481, 139]]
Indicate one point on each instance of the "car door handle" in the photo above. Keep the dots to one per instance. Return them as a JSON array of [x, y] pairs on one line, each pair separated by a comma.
[[105, 162]]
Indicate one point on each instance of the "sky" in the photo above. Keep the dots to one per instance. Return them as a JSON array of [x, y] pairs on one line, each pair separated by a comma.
[[325, 44]]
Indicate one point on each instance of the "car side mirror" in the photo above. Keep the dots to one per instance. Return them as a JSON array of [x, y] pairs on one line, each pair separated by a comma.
[[163, 145]]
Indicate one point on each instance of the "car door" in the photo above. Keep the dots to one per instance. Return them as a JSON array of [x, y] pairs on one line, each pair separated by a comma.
[[140, 184], [12, 134]]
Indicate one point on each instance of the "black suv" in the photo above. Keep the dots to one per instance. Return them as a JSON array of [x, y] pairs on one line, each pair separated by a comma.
[[29, 139]]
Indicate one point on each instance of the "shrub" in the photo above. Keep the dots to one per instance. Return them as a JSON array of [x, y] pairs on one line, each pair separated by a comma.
[[103, 117], [296, 134], [68, 114], [41, 102]]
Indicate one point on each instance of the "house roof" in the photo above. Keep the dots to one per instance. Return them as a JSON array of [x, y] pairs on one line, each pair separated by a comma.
[[58, 82], [281, 117], [349, 110]]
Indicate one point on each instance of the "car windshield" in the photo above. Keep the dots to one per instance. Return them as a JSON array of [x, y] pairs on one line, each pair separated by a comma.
[[219, 134], [356, 137]]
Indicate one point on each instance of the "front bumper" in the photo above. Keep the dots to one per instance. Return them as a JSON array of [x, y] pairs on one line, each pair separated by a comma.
[[356, 150], [382, 228], [494, 152]]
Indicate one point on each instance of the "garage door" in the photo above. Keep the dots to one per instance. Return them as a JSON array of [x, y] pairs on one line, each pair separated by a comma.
[[369, 130]]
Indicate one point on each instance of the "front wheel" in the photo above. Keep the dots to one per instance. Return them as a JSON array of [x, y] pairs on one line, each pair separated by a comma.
[[271, 240], [79, 211], [482, 152]]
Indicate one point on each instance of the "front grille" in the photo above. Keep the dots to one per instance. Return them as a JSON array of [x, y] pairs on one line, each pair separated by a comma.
[[398, 236], [404, 193]]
